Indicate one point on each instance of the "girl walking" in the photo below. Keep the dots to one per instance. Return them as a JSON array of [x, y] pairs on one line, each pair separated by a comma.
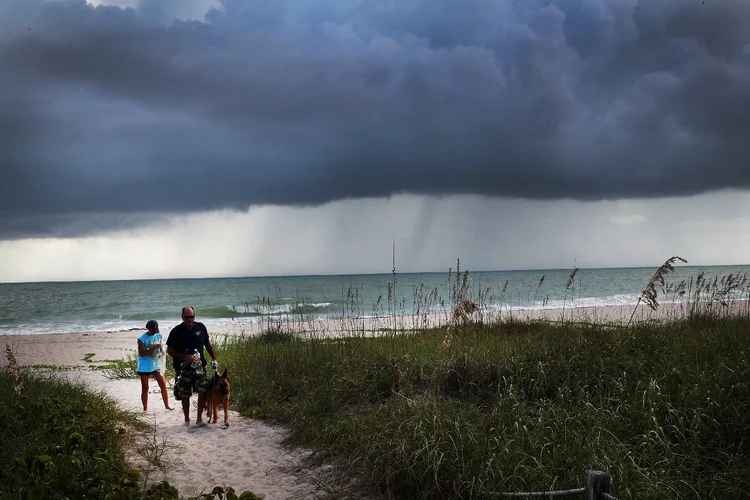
[[150, 355]]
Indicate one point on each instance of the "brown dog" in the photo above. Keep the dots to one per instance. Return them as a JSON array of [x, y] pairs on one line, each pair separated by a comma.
[[218, 394]]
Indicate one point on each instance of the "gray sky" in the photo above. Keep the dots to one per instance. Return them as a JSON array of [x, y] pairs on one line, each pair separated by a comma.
[[203, 137]]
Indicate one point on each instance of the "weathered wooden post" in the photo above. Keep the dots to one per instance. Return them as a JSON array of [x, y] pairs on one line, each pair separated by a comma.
[[597, 482]]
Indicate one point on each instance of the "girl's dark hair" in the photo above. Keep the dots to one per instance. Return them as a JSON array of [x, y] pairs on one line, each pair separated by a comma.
[[152, 326]]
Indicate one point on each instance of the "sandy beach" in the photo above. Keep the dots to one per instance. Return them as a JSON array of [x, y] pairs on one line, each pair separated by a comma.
[[369, 325]]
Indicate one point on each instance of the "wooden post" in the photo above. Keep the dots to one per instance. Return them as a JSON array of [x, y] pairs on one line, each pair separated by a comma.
[[597, 482]]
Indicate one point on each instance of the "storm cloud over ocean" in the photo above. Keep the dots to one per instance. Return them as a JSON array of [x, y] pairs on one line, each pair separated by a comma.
[[302, 103]]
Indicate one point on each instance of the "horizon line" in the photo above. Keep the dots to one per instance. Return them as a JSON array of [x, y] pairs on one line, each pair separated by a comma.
[[104, 280]]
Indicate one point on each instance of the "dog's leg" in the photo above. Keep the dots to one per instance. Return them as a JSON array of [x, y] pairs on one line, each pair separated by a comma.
[[225, 404], [209, 407]]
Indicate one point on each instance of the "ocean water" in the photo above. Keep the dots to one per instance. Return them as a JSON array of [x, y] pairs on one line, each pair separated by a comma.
[[61, 307]]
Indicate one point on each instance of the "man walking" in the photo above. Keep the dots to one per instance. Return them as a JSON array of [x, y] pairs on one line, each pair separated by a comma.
[[190, 370]]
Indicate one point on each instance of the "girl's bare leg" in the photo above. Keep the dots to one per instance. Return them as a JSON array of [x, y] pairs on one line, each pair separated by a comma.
[[163, 387], [144, 392]]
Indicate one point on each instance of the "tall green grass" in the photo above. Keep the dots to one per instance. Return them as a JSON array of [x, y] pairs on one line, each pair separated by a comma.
[[60, 440], [664, 408]]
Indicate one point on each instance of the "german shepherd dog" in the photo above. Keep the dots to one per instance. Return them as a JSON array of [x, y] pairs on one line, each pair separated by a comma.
[[218, 394]]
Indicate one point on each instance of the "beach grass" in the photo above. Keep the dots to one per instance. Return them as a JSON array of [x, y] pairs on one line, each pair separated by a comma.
[[60, 439], [127, 368], [663, 407]]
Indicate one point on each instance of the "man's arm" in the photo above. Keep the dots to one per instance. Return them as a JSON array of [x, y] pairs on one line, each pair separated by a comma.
[[174, 352], [210, 349], [179, 355]]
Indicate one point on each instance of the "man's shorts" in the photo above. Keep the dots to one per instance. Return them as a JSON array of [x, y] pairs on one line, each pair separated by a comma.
[[188, 381]]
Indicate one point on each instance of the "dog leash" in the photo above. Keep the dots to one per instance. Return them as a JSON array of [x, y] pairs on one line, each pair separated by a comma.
[[212, 373]]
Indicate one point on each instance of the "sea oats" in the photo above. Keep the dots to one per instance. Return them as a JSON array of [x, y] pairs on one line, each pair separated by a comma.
[[571, 278], [650, 293], [14, 370]]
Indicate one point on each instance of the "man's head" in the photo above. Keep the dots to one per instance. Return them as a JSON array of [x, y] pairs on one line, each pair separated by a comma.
[[188, 316]]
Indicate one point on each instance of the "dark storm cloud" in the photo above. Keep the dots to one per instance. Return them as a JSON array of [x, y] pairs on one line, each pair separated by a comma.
[[109, 112]]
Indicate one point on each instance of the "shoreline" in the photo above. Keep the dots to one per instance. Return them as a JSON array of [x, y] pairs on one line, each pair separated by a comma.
[[69, 349], [618, 314]]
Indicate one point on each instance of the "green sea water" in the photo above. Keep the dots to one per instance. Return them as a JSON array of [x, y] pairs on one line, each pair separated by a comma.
[[60, 307]]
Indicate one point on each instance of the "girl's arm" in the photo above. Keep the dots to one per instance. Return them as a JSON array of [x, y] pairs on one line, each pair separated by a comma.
[[142, 351]]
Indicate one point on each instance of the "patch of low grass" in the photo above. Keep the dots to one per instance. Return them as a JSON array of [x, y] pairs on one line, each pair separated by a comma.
[[276, 333], [127, 368], [662, 407], [56, 368], [116, 369]]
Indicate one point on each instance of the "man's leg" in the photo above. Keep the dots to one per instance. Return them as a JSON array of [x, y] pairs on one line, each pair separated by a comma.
[[201, 387], [201, 405], [181, 394], [186, 410]]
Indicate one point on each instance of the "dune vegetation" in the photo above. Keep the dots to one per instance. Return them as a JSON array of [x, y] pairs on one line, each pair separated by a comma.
[[477, 408]]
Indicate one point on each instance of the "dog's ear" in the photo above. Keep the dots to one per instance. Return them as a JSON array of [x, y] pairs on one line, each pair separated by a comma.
[[224, 375]]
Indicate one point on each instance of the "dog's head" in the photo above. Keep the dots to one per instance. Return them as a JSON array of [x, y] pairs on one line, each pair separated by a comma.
[[222, 382]]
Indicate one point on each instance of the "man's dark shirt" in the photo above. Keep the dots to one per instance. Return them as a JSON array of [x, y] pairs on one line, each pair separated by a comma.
[[186, 340]]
